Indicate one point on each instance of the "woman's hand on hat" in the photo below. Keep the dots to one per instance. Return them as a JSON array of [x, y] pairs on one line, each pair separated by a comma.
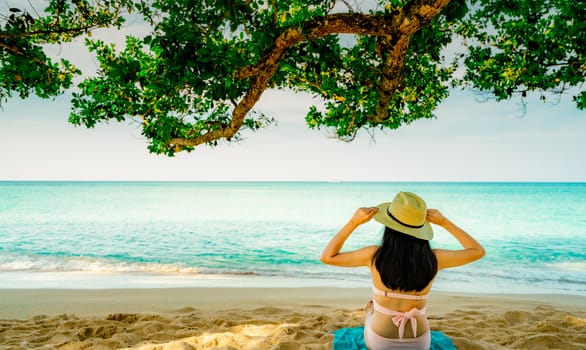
[[363, 215], [434, 216]]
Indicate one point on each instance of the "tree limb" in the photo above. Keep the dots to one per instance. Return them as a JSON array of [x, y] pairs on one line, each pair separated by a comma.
[[396, 30], [15, 50], [339, 23], [391, 76], [51, 31], [412, 18]]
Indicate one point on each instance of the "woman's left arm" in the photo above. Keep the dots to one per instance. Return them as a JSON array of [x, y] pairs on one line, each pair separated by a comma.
[[361, 257]]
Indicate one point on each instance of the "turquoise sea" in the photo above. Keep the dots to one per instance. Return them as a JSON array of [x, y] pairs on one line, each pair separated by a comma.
[[181, 234]]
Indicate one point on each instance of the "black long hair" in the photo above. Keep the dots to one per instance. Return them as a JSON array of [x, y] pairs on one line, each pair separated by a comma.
[[405, 263]]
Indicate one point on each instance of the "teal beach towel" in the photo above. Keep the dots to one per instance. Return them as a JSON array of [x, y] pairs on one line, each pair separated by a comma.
[[353, 339]]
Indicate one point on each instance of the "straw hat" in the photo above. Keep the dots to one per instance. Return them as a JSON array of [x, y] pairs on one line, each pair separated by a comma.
[[407, 213]]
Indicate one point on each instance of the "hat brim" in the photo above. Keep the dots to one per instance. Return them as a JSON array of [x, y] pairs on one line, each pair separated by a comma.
[[425, 232]]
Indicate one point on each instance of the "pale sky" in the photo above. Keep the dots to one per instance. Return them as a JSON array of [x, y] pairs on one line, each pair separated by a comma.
[[469, 141]]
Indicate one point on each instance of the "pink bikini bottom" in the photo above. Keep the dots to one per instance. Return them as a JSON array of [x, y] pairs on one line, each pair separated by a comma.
[[377, 342]]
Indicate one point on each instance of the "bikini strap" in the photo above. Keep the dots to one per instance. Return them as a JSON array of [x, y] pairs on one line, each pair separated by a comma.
[[398, 295]]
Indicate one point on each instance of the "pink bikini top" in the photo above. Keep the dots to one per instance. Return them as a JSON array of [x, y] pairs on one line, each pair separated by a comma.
[[400, 318], [398, 295]]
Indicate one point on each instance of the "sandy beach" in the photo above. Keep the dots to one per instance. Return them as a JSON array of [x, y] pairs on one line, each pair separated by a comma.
[[269, 318]]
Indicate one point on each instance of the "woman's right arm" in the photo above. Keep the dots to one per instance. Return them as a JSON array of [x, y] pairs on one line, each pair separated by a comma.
[[451, 258]]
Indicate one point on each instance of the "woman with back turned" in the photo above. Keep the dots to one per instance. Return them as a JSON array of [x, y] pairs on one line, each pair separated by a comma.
[[403, 268]]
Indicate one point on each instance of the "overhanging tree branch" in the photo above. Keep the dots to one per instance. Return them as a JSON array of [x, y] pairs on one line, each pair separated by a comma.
[[197, 75], [15, 50], [395, 29], [59, 31]]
